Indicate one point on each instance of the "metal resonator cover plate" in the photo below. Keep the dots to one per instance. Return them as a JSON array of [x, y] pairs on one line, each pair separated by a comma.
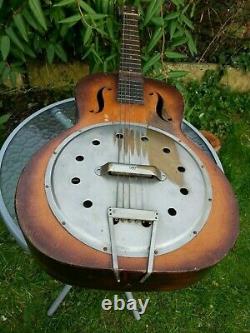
[[80, 196]]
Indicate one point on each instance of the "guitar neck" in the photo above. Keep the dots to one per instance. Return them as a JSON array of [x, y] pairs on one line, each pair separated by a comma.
[[130, 86]]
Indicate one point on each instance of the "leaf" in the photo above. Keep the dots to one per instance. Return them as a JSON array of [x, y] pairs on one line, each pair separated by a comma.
[[86, 7], [159, 21], [185, 8], [176, 74], [178, 2], [1, 3], [36, 9], [5, 47], [57, 14], [13, 77], [173, 26], [4, 118], [29, 19], [96, 16], [193, 10], [13, 37], [2, 65], [191, 44], [50, 52], [28, 51], [64, 3], [17, 54], [152, 61], [174, 55], [110, 28], [87, 35], [64, 30], [88, 52], [61, 53], [98, 58], [186, 21], [171, 16], [155, 39], [19, 22], [150, 12], [179, 32], [178, 41], [105, 6], [72, 19], [5, 73], [98, 6]]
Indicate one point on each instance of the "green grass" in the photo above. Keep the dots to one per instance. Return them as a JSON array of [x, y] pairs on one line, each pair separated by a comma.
[[220, 302]]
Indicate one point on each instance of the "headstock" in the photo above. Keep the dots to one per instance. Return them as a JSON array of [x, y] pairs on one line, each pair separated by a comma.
[[128, 10]]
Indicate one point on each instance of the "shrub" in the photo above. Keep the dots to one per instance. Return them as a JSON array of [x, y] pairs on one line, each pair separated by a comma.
[[89, 30]]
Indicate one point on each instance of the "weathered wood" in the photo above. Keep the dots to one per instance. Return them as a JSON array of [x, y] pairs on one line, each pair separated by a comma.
[[72, 261]]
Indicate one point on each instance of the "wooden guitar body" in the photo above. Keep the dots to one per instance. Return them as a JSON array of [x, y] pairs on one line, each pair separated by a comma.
[[69, 259]]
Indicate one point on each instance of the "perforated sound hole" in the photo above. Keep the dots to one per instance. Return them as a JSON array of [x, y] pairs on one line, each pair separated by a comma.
[[80, 196], [79, 158]]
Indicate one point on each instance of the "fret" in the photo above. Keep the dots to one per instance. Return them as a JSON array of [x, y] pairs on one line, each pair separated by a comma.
[[130, 17], [128, 73], [129, 25], [130, 14], [129, 35], [131, 82], [131, 66], [133, 90], [130, 38], [131, 59], [133, 30], [131, 96], [130, 90], [128, 44], [130, 69], [123, 99], [135, 83], [129, 21], [135, 100], [127, 31], [128, 56], [136, 53], [127, 41]]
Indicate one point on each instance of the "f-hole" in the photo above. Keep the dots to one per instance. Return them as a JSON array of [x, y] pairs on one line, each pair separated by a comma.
[[159, 107], [100, 100]]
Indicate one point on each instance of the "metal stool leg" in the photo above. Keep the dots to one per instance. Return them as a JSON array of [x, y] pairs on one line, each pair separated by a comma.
[[129, 296], [54, 306]]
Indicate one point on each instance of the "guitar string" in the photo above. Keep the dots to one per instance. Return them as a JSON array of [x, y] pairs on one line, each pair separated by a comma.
[[129, 132], [118, 133], [125, 112]]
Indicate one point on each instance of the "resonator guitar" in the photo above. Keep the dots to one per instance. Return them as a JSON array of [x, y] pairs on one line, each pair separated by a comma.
[[123, 200]]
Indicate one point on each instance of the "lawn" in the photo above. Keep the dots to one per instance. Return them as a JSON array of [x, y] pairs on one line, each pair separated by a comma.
[[220, 302]]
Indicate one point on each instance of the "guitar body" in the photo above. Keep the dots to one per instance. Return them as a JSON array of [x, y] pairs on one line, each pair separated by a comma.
[[208, 223]]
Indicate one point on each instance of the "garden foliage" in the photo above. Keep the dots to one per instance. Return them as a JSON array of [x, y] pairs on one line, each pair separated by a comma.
[[88, 30]]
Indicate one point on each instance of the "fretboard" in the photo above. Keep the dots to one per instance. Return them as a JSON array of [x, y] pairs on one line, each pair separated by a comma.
[[130, 85]]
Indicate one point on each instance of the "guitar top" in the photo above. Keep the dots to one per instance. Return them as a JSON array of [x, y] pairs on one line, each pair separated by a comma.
[[124, 200]]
